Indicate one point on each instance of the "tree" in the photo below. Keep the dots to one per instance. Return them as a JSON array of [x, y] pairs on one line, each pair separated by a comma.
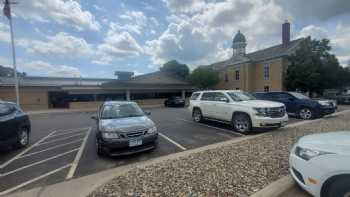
[[204, 77], [8, 72], [176, 69], [313, 68]]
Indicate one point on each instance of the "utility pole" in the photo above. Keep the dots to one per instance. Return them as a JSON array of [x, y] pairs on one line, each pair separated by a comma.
[[7, 13]]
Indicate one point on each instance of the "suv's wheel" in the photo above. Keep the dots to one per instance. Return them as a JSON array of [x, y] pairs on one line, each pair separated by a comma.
[[242, 123], [306, 114], [339, 187], [22, 138], [197, 115]]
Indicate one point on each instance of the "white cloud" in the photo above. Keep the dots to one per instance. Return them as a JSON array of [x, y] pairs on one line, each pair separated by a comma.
[[60, 11], [205, 36], [186, 6], [136, 21], [4, 33], [117, 44], [314, 31], [60, 44], [47, 69]]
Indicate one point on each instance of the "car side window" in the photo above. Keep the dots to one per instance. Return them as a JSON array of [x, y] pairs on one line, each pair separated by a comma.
[[194, 96], [208, 96], [220, 97], [284, 96]]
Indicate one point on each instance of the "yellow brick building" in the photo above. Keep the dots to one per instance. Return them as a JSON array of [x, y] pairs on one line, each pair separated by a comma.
[[261, 70]]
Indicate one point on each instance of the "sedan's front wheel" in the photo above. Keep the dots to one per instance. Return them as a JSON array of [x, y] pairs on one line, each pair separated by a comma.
[[339, 187], [306, 114], [22, 138]]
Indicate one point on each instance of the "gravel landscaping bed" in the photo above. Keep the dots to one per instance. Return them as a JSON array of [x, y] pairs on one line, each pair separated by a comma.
[[240, 169]]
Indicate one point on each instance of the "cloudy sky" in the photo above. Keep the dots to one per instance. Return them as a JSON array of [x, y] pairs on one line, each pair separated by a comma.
[[91, 38]]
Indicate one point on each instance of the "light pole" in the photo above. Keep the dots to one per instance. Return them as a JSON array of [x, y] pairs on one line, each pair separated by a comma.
[[7, 13]]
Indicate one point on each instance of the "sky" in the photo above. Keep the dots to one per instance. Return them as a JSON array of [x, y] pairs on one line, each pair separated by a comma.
[[90, 38]]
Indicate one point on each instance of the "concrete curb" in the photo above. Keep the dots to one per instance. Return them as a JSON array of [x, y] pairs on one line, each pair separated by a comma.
[[276, 188]]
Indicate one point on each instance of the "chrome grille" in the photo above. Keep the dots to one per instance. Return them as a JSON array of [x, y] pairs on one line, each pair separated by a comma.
[[136, 133], [276, 112]]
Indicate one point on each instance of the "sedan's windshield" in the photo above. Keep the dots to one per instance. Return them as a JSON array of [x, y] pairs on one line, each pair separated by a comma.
[[241, 96], [114, 111], [298, 95]]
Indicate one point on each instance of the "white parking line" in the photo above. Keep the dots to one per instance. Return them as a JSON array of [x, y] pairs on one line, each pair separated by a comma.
[[78, 157], [65, 133], [212, 127], [25, 151], [172, 141], [38, 162], [33, 180], [60, 139], [64, 130], [53, 147]]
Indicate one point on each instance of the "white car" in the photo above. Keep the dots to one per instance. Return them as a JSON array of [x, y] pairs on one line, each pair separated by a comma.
[[238, 108], [320, 164]]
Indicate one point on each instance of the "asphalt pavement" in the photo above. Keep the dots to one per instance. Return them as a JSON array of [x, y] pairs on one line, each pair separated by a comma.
[[62, 147]]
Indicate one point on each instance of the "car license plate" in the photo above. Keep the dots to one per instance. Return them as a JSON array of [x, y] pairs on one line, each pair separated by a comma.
[[135, 142]]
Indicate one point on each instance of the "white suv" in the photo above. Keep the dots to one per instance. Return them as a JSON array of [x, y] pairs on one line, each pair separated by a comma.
[[238, 108]]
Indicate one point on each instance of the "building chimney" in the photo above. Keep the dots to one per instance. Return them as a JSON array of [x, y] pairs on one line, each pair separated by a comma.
[[285, 33]]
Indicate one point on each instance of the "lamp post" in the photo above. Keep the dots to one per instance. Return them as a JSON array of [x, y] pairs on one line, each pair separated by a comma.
[[7, 13]]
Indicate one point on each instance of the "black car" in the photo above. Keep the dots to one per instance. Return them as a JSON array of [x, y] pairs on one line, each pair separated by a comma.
[[14, 126], [299, 104], [124, 129], [174, 101]]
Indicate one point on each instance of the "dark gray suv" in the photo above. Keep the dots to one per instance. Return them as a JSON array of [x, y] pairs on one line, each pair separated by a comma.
[[123, 129]]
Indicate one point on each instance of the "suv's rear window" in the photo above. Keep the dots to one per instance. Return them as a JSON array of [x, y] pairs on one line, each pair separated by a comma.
[[194, 96]]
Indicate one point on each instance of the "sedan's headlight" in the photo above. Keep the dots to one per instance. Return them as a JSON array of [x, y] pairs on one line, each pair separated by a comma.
[[323, 103], [308, 154], [152, 130], [261, 111], [110, 135]]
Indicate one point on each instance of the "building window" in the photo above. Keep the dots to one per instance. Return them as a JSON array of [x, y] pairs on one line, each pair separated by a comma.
[[237, 88], [266, 88], [226, 78], [237, 75], [266, 72]]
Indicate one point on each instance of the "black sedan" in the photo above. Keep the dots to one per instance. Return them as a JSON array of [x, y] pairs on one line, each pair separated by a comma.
[[174, 102], [14, 126]]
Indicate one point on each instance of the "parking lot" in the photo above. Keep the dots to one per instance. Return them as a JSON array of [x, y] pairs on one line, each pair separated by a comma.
[[63, 146]]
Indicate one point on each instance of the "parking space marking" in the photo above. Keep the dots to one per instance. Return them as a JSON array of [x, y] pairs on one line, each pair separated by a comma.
[[78, 157], [33, 180], [38, 162], [65, 133], [212, 127], [172, 141], [64, 130], [53, 147], [60, 139], [26, 150]]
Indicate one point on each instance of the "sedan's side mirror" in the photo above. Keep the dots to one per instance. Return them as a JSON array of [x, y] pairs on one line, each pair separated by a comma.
[[148, 113], [94, 117]]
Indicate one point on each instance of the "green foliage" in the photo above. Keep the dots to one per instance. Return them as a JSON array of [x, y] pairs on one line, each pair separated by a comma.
[[313, 68], [8, 72], [204, 77], [176, 69]]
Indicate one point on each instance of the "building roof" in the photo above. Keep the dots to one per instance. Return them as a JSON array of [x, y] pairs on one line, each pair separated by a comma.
[[261, 55], [155, 79], [53, 81]]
